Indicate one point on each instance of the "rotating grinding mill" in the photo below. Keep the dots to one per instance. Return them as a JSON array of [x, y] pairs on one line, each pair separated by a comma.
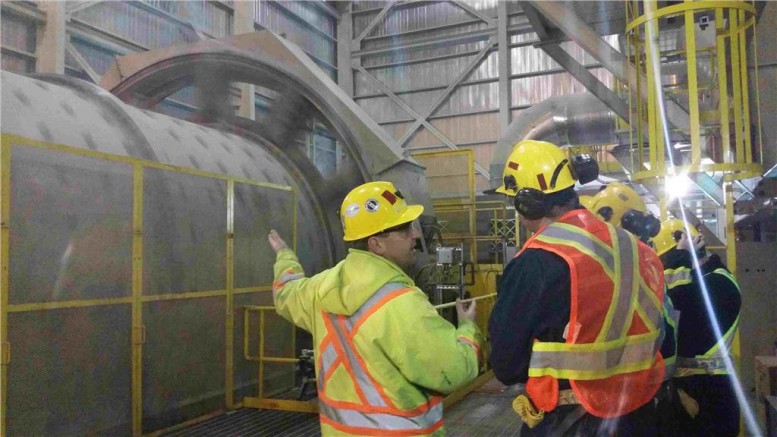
[[131, 239]]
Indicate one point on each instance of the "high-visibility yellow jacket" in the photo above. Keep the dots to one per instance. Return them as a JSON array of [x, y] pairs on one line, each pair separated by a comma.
[[383, 354]]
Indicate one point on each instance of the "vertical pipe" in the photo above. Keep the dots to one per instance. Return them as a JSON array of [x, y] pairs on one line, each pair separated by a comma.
[[736, 81], [745, 85], [693, 87], [725, 134], [653, 130], [230, 303], [138, 334], [5, 222]]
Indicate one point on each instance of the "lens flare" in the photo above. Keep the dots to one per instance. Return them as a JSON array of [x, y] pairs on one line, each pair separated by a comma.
[[750, 422]]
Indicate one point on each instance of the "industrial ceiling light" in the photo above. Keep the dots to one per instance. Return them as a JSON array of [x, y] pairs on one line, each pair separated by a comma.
[[677, 185]]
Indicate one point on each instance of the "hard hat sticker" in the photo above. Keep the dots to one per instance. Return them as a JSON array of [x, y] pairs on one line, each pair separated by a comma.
[[352, 210], [372, 205]]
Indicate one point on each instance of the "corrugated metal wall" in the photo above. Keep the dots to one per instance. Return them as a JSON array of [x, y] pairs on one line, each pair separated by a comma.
[[419, 72]]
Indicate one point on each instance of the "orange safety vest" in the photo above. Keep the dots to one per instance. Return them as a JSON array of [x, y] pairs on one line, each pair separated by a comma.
[[376, 414], [611, 351]]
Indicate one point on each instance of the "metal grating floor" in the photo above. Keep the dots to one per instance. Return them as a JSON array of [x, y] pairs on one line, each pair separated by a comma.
[[252, 422], [486, 411]]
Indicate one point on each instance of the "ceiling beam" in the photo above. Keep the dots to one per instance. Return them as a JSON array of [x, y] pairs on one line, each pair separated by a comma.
[[447, 93], [405, 107], [378, 18]]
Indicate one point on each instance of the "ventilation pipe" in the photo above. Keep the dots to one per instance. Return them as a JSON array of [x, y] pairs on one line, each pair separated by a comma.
[[573, 119]]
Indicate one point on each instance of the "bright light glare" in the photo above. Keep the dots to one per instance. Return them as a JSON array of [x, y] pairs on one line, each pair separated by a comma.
[[677, 185]]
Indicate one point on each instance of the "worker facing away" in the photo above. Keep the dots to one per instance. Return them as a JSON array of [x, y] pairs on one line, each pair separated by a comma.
[[578, 311], [383, 353], [708, 404], [621, 206]]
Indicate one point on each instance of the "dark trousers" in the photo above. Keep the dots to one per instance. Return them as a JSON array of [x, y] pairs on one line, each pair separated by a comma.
[[718, 406], [666, 410], [639, 423]]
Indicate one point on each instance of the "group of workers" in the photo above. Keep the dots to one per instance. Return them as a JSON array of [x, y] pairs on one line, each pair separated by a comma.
[[616, 323]]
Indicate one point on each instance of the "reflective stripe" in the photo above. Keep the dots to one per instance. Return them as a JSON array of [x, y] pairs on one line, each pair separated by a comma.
[[647, 302], [365, 384], [614, 351], [714, 360], [707, 364], [328, 357], [580, 239], [370, 303], [624, 294], [287, 276], [469, 343], [677, 277], [342, 329], [592, 360], [380, 420]]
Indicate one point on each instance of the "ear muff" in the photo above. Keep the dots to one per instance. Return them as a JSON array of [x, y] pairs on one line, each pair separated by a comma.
[[645, 226], [530, 203], [606, 213], [652, 225], [584, 168]]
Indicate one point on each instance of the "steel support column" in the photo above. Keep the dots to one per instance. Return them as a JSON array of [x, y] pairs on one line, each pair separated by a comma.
[[50, 53], [243, 22], [505, 97], [344, 36]]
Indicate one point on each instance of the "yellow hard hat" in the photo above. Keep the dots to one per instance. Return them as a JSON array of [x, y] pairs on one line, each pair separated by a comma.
[[536, 164], [587, 201], [374, 207], [615, 200], [621, 206], [669, 235]]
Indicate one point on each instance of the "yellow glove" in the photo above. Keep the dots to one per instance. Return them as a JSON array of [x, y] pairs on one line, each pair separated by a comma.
[[527, 412], [689, 403]]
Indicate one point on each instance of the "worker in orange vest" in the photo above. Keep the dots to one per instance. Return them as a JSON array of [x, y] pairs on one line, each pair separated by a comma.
[[579, 310], [383, 353]]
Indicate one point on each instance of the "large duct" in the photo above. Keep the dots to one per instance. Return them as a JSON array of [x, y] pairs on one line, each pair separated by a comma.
[[574, 119]]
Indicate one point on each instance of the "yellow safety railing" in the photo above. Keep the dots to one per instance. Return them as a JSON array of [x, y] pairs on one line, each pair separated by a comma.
[[311, 406], [261, 401]]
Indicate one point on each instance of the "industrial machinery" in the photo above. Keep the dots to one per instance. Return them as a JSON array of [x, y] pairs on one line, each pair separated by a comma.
[[131, 240]]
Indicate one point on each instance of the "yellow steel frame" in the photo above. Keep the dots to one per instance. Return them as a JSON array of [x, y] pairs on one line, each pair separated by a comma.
[[137, 298], [5, 216], [741, 17], [469, 200]]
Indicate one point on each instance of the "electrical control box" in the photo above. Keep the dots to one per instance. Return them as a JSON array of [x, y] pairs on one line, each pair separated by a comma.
[[449, 254]]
